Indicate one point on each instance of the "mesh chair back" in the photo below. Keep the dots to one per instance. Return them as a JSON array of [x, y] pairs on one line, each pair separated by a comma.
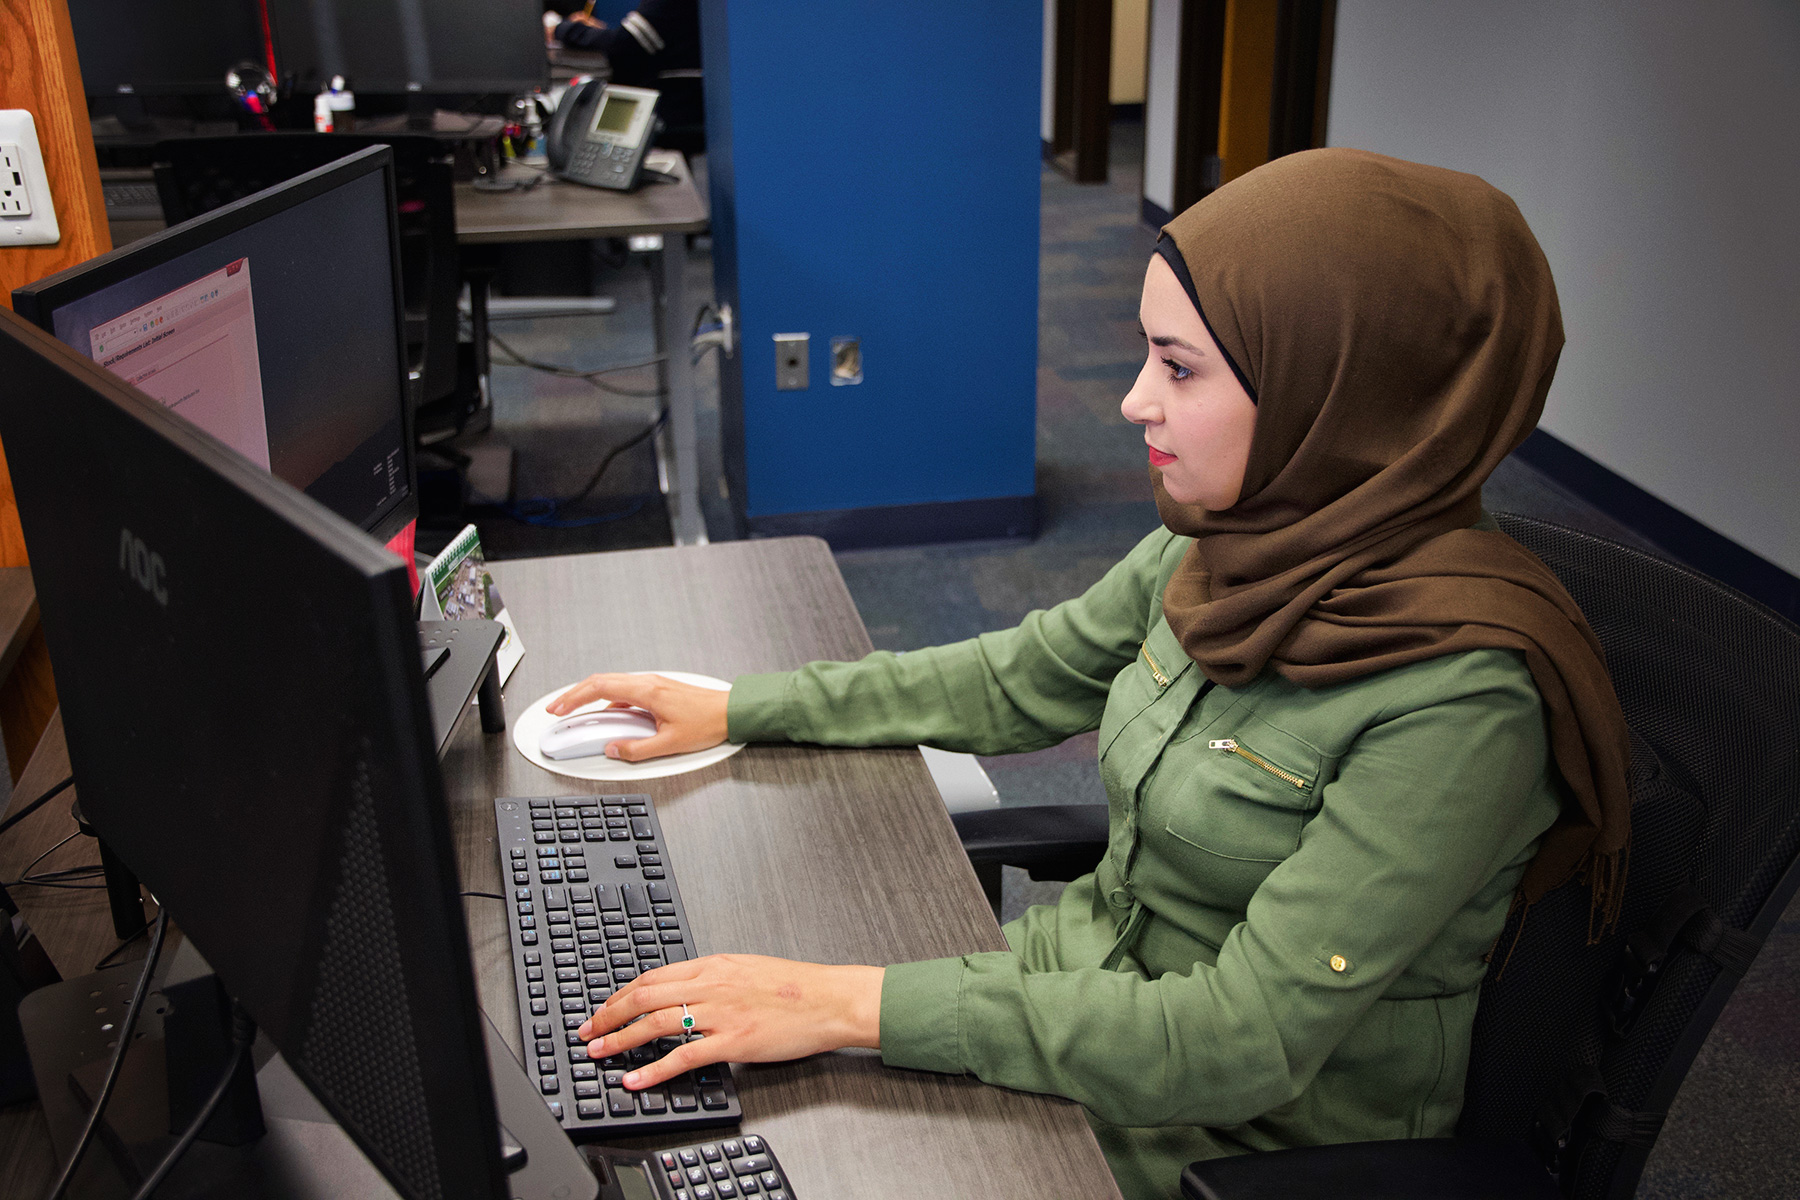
[[1710, 683], [197, 175]]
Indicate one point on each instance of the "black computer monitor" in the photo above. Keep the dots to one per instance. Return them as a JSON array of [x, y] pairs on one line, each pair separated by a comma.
[[164, 47], [276, 325], [409, 46], [247, 726]]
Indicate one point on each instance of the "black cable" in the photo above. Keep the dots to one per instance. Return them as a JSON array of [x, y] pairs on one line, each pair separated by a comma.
[[591, 378], [594, 479], [549, 509], [35, 805], [486, 895], [126, 1029], [243, 1033], [106, 959]]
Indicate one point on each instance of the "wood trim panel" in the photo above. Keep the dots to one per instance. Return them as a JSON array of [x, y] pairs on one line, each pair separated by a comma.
[[1248, 84]]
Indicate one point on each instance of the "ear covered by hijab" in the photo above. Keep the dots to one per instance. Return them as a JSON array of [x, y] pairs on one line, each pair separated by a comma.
[[1398, 328]]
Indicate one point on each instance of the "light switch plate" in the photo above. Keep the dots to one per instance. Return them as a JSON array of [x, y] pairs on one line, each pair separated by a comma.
[[27, 211], [790, 361]]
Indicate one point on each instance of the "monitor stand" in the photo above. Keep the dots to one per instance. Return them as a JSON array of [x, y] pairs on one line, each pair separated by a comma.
[[303, 1155], [467, 669]]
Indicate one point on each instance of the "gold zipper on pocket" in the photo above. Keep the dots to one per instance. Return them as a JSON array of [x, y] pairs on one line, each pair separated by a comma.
[[1162, 681], [1230, 746]]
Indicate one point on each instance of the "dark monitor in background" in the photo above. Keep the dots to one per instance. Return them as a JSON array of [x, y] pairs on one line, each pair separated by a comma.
[[276, 325], [164, 47], [412, 46], [248, 730]]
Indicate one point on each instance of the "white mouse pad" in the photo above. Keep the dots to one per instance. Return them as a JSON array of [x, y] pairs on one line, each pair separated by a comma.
[[528, 729]]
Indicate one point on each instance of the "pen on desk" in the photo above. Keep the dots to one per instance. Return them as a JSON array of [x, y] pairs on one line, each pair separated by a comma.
[[587, 10]]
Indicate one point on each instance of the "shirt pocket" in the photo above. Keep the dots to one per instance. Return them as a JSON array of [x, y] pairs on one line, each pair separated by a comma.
[[1253, 788], [1160, 662]]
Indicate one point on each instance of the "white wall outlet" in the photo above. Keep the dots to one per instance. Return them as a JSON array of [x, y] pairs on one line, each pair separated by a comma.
[[27, 211]]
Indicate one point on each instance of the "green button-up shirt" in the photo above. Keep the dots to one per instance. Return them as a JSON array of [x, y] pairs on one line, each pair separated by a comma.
[[1284, 942]]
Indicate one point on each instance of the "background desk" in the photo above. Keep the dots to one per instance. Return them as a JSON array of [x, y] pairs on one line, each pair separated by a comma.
[[840, 856], [554, 210]]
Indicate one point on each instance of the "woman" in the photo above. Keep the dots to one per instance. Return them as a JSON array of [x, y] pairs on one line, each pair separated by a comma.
[[1343, 720]]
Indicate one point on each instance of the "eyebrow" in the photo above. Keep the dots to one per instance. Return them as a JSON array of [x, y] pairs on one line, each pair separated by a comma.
[[1164, 340]]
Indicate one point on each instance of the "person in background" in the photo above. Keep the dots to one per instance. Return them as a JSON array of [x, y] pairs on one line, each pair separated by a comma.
[[656, 45]]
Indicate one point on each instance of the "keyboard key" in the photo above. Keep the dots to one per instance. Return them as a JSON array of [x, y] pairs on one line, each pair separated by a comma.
[[617, 835], [710, 1073], [770, 1181], [653, 873], [690, 1158], [640, 829], [621, 1104], [534, 974], [584, 1070], [652, 1103], [539, 802], [570, 989], [644, 937], [546, 1066], [703, 1191], [555, 898], [637, 810], [544, 1045], [556, 1110], [534, 990], [623, 960], [747, 1185], [606, 897], [732, 1148], [540, 1008], [675, 954], [726, 1189], [697, 1175], [534, 958], [718, 1170], [754, 1144], [644, 848], [633, 897], [659, 893], [564, 960], [574, 1006], [624, 975], [626, 861], [663, 910], [543, 836], [590, 1110], [528, 937], [588, 1089], [754, 1165], [582, 895], [572, 1021], [549, 1085], [540, 1029], [578, 876], [671, 937], [683, 1102]]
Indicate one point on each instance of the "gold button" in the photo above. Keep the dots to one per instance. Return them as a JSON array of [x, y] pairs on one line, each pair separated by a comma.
[[1338, 963]]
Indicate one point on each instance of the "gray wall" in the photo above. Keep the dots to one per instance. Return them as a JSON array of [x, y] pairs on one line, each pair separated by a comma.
[[1655, 149]]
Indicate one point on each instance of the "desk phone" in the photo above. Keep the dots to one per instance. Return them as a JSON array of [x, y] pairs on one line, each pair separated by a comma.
[[600, 133]]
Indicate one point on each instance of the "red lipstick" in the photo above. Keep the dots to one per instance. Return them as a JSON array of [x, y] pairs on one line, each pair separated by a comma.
[[1159, 459]]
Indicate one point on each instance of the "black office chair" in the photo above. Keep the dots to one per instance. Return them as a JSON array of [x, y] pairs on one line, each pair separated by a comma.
[[197, 175], [1578, 1050]]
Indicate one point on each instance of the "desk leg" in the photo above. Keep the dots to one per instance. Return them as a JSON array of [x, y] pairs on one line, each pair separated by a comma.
[[480, 280], [672, 318]]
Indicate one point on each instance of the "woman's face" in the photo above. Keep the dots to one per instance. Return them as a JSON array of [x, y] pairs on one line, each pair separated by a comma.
[[1197, 417]]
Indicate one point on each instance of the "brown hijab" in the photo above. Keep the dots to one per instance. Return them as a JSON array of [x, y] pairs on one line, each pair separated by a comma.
[[1398, 328]]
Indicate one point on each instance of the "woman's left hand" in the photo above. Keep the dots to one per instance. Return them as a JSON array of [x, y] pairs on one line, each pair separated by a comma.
[[751, 1009]]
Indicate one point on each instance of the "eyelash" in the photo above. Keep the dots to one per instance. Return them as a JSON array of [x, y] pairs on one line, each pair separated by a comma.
[[1177, 372]]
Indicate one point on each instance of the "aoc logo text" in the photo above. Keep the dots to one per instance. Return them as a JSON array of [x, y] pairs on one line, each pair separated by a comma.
[[144, 565]]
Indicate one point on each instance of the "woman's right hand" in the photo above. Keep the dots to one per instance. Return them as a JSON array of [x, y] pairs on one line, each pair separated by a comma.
[[688, 717]]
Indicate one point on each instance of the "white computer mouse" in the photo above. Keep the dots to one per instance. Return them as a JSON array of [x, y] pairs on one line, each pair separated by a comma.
[[590, 733]]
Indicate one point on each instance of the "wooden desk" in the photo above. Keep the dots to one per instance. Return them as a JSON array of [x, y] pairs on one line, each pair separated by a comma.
[[554, 210], [837, 856]]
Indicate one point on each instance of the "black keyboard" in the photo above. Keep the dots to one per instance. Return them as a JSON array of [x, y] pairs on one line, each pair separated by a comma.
[[592, 902]]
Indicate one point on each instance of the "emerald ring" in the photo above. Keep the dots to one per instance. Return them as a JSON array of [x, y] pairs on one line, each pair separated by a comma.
[[687, 1018]]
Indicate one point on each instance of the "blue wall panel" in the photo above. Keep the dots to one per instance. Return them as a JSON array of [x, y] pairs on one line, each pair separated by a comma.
[[880, 166]]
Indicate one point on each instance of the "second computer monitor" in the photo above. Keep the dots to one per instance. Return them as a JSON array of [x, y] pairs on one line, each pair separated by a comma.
[[274, 324]]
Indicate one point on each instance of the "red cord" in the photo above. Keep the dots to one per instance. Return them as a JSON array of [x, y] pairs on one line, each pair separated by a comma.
[[262, 7]]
